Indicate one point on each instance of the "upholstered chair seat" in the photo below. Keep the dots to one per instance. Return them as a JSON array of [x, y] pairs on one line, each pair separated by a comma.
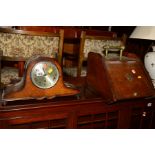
[[9, 75], [72, 71]]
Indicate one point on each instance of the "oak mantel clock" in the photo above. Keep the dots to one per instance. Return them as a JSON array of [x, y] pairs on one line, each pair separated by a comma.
[[42, 79]]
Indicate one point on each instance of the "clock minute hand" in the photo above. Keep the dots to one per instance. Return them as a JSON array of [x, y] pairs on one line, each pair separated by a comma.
[[44, 71]]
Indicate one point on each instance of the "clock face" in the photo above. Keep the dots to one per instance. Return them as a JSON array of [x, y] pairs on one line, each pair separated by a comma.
[[44, 74]]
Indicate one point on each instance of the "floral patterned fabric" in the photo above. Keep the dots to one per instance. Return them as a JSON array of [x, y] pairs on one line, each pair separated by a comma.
[[25, 46], [72, 71], [96, 46], [8, 74]]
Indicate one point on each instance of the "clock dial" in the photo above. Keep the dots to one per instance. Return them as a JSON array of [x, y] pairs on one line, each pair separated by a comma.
[[44, 74]]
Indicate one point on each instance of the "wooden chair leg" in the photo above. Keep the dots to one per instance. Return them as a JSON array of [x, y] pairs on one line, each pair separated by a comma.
[[21, 68], [79, 69]]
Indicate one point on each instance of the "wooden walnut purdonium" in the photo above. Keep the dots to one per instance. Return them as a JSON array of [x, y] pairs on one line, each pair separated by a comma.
[[118, 79]]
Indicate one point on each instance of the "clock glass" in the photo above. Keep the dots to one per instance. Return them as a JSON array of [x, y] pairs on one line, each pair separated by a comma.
[[44, 74]]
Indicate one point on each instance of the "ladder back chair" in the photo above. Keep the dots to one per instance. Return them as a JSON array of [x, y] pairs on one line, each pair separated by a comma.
[[79, 71], [19, 45], [98, 42]]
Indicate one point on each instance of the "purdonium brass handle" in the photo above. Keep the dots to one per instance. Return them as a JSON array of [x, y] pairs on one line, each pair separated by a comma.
[[120, 49]]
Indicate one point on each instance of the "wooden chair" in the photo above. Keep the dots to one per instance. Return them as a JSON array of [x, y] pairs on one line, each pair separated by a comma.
[[82, 56], [71, 46], [20, 45], [98, 42]]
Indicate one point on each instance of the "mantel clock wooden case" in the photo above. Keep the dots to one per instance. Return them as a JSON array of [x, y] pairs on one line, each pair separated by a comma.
[[42, 79]]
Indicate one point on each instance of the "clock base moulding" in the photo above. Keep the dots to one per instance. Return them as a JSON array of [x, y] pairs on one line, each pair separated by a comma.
[[27, 89]]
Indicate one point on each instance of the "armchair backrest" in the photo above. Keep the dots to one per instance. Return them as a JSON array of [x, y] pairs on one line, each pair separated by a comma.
[[24, 44]]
